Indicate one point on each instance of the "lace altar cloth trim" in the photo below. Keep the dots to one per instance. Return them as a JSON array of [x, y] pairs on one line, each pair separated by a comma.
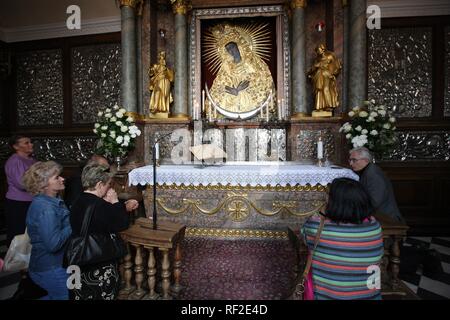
[[239, 175]]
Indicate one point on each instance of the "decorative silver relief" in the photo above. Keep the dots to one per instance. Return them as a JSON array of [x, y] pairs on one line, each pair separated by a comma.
[[5, 150], [194, 43], [64, 150], [447, 73], [40, 88], [307, 145], [421, 146], [96, 73], [400, 70]]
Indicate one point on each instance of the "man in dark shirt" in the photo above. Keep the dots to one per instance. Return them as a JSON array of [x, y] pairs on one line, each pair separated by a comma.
[[376, 183], [73, 184]]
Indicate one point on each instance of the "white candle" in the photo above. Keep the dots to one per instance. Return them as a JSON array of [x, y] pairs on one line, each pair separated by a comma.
[[209, 113], [320, 149], [157, 151], [203, 100], [267, 113]]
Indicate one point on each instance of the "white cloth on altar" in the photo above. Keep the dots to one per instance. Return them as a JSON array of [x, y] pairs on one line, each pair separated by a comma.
[[281, 174]]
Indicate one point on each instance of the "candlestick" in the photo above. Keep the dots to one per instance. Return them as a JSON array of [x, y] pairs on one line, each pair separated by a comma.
[[267, 113], [320, 149], [209, 113]]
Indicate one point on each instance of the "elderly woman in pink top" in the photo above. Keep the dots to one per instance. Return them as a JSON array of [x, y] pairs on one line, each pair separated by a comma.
[[17, 198]]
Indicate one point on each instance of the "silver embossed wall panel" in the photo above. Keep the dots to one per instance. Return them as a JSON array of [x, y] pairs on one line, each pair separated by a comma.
[[65, 150], [447, 73], [399, 67], [96, 72], [421, 146], [40, 88], [307, 145]]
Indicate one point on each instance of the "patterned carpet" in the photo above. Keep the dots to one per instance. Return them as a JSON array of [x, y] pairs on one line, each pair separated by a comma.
[[237, 269]]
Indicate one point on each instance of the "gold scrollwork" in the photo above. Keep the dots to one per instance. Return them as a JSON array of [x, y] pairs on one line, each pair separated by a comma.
[[181, 6], [238, 207], [296, 4], [235, 233], [246, 188]]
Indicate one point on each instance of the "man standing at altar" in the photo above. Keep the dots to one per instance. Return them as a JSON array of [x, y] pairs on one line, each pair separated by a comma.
[[376, 183]]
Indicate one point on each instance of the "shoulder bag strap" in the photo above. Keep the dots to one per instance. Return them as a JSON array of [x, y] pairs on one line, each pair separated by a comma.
[[87, 219], [316, 242]]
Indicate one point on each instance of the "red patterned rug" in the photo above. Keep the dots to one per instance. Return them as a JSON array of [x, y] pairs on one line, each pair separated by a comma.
[[236, 269]]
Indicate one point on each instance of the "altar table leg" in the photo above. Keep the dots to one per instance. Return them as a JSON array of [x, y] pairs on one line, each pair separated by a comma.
[[395, 262]]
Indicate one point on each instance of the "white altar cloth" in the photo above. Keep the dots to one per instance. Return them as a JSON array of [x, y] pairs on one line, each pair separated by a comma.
[[281, 174]]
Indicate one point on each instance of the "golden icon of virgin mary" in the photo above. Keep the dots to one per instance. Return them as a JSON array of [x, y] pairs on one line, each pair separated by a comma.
[[243, 83]]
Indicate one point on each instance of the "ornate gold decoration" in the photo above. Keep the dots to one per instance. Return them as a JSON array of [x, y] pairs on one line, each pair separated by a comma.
[[130, 3], [344, 3], [243, 84], [181, 116], [235, 233], [181, 6], [323, 73], [238, 210], [159, 84], [237, 206], [228, 187], [296, 4]]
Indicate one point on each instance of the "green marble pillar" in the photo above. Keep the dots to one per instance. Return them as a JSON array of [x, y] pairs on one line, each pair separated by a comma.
[[128, 84]]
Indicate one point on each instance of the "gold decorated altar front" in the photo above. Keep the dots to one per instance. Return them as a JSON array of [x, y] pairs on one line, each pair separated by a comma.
[[246, 199]]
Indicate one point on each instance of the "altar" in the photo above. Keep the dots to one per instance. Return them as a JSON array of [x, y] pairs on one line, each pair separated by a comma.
[[237, 198]]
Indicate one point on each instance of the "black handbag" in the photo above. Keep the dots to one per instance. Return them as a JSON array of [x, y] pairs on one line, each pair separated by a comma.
[[91, 248]]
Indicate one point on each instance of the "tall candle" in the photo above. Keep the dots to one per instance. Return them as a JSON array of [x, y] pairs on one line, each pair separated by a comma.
[[320, 149], [267, 112], [157, 151], [203, 100]]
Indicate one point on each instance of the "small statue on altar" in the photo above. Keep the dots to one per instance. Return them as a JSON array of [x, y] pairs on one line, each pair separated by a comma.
[[323, 73], [160, 80]]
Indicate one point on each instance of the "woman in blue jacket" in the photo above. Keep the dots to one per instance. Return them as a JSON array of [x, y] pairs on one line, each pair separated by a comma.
[[48, 227]]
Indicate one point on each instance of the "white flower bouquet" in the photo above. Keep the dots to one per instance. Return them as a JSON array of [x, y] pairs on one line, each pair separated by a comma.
[[116, 132], [370, 126]]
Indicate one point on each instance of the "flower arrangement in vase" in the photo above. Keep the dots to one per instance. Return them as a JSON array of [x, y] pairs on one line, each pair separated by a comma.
[[116, 133], [370, 126]]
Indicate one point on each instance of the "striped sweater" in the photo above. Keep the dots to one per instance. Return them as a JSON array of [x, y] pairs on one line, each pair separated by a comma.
[[342, 258]]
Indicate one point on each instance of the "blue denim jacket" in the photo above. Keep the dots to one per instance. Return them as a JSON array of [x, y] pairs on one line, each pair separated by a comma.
[[49, 228]]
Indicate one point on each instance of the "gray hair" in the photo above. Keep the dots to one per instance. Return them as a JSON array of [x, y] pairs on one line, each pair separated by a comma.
[[93, 174], [96, 159], [363, 152], [36, 177]]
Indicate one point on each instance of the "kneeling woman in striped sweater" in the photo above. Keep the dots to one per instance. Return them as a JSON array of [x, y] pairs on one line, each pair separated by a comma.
[[346, 261]]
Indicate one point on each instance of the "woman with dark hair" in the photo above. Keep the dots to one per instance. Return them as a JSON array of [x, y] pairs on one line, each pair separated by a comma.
[[17, 198], [345, 263]]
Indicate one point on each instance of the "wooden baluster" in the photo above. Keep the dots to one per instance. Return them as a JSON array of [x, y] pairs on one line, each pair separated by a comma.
[[128, 274], [395, 262], [122, 272], [151, 273], [139, 275], [177, 269], [165, 274]]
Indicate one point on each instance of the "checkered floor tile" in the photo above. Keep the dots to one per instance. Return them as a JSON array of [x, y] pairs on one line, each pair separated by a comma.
[[427, 279]]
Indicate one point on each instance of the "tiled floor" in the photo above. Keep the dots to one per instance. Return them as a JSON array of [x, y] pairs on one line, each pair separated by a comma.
[[431, 285]]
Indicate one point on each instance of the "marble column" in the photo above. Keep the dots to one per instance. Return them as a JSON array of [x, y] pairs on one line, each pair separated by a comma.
[[180, 106], [140, 74], [357, 84], [345, 66], [128, 87], [298, 71]]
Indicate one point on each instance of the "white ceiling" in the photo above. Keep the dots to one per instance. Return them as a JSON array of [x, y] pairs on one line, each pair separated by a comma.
[[21, 13]]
